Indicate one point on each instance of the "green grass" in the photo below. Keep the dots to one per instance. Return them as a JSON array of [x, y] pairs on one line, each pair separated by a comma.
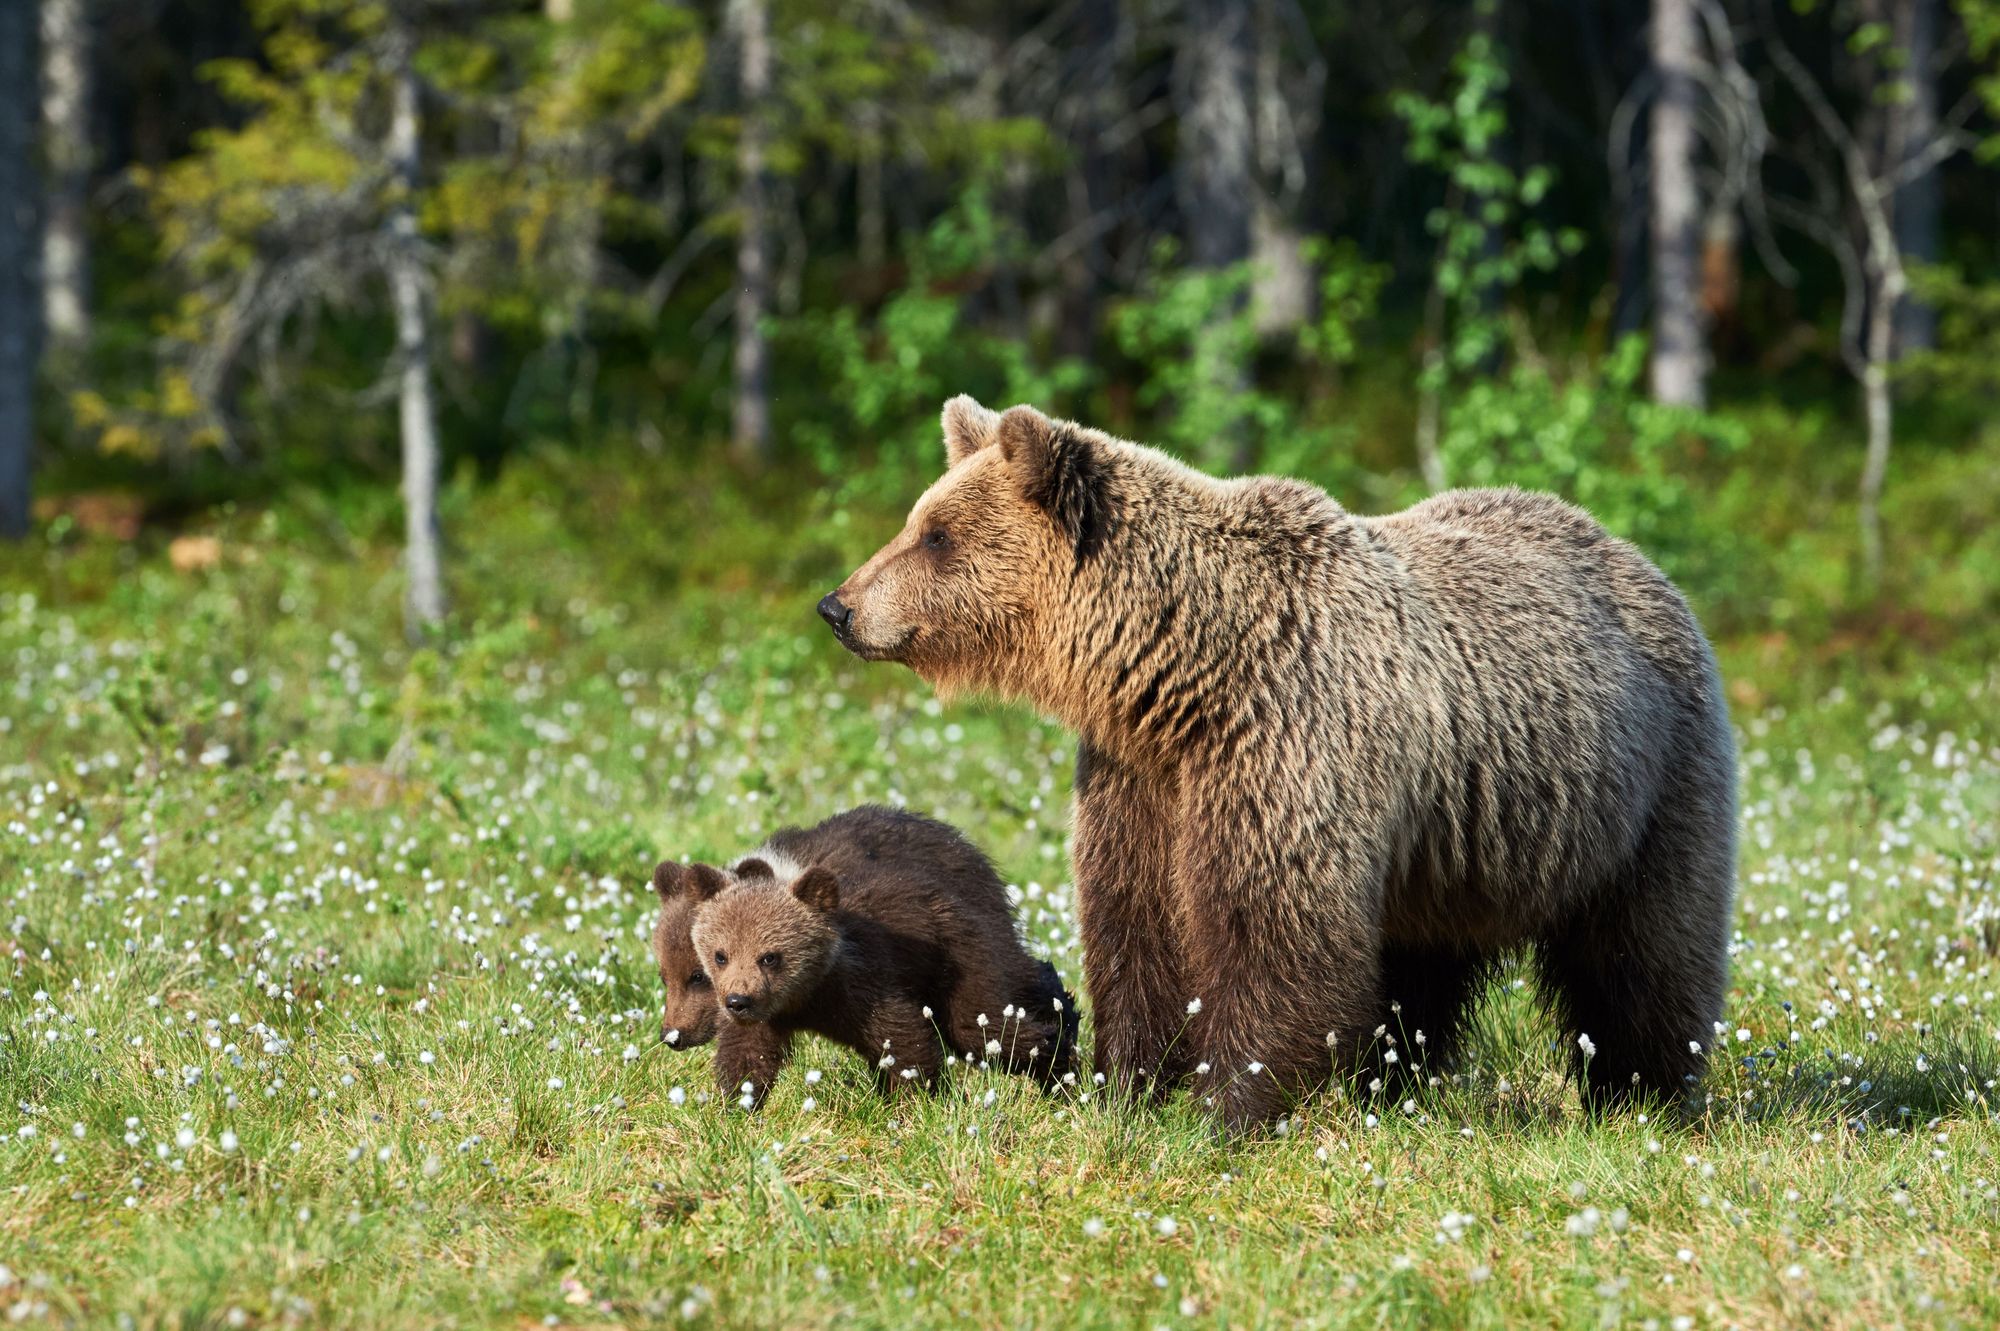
[[380, 917]]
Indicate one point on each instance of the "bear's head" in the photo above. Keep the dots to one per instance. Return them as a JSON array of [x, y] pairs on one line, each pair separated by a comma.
[[690, 1017], [966, 592], [766, 944]]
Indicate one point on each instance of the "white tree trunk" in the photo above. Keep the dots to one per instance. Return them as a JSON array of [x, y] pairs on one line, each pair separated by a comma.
[[1879, 404], [20, 309], [424, 602], [1680, 352], [750, 432], [66, 147]]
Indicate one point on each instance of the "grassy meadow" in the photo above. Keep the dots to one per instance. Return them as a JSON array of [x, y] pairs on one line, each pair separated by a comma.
[[325, 997]]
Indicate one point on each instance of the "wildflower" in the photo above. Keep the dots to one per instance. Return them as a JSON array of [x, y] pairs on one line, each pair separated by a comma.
[[1584, 1043], [1194, 1006]]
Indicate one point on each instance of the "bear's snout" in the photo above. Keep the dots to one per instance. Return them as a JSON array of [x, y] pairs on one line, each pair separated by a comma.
[[739, 1005], [835, 612]]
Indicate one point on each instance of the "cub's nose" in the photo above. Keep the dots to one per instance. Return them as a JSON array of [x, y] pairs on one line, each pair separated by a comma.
[[737, 1002], [834, 612]]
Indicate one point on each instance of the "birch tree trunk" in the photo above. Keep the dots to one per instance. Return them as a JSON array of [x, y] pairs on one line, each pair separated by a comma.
[[750, 432], [66, 145], [424, 600], [20, 310], [1680, 353], [1880, 409]]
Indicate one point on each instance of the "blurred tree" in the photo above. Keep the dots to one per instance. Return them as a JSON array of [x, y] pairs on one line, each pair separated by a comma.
[[67, 148], [1913, 123], [321, 187], [1852, 212], [1213, 171], [750, 416], [424, 599], [1680, 343], [19, 308]]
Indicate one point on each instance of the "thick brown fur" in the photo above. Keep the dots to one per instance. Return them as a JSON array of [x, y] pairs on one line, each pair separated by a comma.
[[690, 1015], [1332, 763], [886, 932]]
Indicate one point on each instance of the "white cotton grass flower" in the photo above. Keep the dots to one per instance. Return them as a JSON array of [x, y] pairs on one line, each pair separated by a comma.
[[1167, 1226], [1194, 1006]]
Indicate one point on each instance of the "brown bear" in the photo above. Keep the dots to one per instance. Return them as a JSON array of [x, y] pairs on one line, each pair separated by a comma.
[[690, 1017], [884, 931], [1330, 763]]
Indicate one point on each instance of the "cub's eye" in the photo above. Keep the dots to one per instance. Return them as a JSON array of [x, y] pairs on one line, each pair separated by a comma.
[[698, 980], [722, 959], [770, 961], [936, 539]]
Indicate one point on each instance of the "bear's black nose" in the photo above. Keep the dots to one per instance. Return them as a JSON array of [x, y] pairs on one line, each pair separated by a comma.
[[737, 1002], [834, 612]]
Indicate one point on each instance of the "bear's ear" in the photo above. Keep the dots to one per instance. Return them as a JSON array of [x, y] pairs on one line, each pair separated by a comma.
[[968, 427], [755, 868], [701, 881], [818, 888], [1061, 473]]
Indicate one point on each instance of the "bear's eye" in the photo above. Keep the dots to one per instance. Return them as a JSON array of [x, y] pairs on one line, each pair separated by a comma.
[[698, 980], [721, 959], [770, 961], [936, 539]]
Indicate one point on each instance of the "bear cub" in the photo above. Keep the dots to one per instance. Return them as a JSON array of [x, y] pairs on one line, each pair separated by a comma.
[[691, 1013], [881, 930]]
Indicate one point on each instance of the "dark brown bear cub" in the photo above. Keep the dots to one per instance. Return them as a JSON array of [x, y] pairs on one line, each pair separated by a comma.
[[886, 932]]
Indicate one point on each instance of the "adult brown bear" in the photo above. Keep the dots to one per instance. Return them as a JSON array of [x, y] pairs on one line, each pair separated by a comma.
[[1332, 763]]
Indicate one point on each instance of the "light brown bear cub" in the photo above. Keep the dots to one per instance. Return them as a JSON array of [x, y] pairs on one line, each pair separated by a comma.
[[881, 930], [1333, 767], [691, 1013]]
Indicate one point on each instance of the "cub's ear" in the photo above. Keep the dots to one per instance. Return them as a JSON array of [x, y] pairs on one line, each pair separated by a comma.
[[701, 881], [1062, 473], [968, 427], [818, 888], [755, 868]]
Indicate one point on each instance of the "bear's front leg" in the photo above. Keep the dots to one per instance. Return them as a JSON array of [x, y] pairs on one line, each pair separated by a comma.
[[1283, 950], [748, 1057], [1131, 970]]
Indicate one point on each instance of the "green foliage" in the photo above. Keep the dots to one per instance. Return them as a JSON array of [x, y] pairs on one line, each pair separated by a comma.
[[1488, 237], [1596, 439], [1192, 333], [887, 376]]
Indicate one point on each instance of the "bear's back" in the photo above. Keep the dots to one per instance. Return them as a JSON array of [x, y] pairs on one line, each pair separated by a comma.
[[905, 872]]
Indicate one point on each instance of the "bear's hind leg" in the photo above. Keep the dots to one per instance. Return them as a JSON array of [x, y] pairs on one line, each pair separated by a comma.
[[1428, 993], [1639, 980], [904, 1045]]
